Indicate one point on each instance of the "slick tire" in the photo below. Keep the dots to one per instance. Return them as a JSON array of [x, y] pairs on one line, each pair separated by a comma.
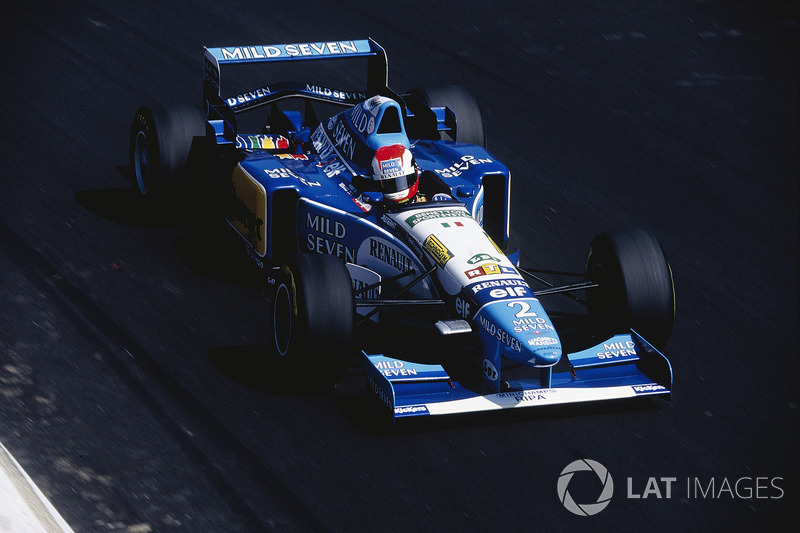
[[312, 317], [636, 289], [161, 142], [469, 119]]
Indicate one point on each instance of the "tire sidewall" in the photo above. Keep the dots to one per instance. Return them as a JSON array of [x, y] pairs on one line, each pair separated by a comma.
[[312, 319], [143, 131], [284, 314]]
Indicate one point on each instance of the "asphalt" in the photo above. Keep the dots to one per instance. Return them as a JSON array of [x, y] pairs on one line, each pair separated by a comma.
[[131, 392]]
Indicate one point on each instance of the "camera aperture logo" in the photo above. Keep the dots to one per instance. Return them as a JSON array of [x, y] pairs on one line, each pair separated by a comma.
[[585, 509]]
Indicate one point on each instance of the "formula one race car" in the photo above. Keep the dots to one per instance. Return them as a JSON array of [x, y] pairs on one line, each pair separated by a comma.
[[340, 261]]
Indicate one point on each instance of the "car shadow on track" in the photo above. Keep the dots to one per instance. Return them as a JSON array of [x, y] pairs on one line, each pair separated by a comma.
[[205, 245], [249, 366], [125, 206]]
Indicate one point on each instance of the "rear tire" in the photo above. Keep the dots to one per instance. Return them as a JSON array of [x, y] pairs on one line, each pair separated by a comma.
[[469, 120], [161, 143], [312, 317], [636, 289]]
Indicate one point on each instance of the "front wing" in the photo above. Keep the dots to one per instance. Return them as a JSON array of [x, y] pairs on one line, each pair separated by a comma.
[[635, 368]]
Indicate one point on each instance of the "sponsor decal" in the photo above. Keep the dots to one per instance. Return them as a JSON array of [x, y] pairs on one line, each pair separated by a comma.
[[321, 245], [357, 197], [363, 116], [500, 334], [490, 371], [322, 144], [282, 172], [330, 158], [647, 389], [262, 142], [290, 51], [249, 96], [341, 138], [528, 395], [372, 294], [333, 94], [463, 308], [247, 209], [348, 188], [437, 250], [300, 157], [332, 167], [362, 204], [392, 168], [326, 226], [489, 269], [477, 258], [542, 341], [326, 241], [385, 398], [411, 409], [254, 258], [388, 221], [532, 325], [458, 168], [393, 369], [415, 219], [390, 255], [502, 288], [617, 350]]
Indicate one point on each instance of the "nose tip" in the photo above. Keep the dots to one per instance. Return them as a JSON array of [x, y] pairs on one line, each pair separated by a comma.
[[546, 356]]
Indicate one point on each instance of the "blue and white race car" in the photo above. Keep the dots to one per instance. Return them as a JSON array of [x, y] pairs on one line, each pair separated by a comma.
[[347, 272]]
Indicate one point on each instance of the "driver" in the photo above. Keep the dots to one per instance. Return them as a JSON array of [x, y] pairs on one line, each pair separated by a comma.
[[395, 174]]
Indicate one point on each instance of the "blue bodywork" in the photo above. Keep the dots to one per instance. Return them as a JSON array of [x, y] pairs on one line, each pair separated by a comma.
[[293, 189]]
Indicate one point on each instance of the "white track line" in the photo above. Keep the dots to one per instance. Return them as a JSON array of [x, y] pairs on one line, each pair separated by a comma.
[[23, 507]]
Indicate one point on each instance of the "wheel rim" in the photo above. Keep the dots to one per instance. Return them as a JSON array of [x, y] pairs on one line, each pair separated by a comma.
[[141, 162], [282, 319]]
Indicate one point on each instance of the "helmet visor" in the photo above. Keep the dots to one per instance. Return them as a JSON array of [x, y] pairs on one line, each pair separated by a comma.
[[399, 183]]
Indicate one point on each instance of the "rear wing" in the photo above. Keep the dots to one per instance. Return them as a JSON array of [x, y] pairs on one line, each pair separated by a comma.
[[221, 111], [216, 58]]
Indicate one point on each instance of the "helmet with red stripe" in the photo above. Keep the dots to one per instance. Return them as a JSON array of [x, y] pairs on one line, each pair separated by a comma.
[[395, 173]]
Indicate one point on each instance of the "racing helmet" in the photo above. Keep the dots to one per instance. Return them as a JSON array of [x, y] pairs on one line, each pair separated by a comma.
[[395, 173]]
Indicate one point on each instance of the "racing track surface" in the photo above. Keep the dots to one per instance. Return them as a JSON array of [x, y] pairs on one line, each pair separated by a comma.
[[130, 385]]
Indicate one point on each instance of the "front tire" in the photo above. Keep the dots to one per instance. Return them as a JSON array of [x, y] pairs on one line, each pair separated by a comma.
[[636, 289], [312, 317]]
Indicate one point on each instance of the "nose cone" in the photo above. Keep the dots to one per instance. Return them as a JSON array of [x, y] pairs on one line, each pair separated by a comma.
[[546, 350], [522, 330]]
